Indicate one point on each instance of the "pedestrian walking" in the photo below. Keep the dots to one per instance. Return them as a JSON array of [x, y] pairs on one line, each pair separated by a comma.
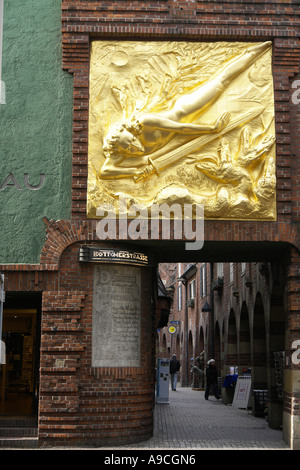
[[174, 368], [211, 379]]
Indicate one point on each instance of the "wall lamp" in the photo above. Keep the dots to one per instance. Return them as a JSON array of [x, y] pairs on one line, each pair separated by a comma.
[[206, 307]]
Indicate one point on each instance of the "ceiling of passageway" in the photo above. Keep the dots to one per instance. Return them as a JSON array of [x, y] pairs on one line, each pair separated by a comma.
[[23, 300], [173, 251]]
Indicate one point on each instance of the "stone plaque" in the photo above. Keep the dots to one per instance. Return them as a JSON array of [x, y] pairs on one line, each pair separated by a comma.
[[116, 316]]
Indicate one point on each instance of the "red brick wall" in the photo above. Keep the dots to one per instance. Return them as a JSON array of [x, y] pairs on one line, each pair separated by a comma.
[[191, 20], [295, 146], [83, 404], [80, 404], [199, 20]]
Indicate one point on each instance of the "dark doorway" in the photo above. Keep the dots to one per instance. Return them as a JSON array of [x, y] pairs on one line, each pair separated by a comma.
[[21, 331]]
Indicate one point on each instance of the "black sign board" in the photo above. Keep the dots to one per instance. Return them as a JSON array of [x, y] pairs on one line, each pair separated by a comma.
[[113, 255]]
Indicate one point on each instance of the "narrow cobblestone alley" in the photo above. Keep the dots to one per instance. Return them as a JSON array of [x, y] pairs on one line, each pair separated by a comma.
[[191, 422]]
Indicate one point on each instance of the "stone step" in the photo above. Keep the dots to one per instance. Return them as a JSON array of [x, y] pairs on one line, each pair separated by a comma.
[[18, 422], [15, 431], [18, 432], [18, 442]]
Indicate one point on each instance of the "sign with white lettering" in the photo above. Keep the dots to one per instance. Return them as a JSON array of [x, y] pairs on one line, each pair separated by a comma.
[[112, 255], [242, 392]]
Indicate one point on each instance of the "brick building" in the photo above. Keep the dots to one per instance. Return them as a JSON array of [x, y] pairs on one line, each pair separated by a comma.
[[234, 312], [50, 249]]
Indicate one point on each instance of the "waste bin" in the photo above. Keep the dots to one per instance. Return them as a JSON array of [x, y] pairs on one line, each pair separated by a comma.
[[228, 388], [260, 402]]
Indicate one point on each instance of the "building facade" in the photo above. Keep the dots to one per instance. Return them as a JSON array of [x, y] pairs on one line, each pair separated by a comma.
[[233, 313], [75, 283]]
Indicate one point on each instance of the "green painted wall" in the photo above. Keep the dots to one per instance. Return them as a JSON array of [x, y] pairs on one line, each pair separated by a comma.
[[35, 128]]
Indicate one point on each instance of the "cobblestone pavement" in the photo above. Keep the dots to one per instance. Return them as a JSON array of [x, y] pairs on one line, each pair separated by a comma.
[[191, 422]]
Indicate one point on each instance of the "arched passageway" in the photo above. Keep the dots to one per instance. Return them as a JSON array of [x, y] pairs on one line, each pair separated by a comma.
[[217, 355], [201, 340], [277, 334], [163, 351], [260, 359], [190, 358], [244, 339], [232, 353], [245, 321], [259, 369]]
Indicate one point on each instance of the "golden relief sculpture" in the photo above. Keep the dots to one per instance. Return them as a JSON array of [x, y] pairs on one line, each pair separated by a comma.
[[183, 122]]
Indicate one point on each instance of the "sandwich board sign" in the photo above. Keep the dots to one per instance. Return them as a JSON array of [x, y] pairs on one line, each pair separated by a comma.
[[242, 392]]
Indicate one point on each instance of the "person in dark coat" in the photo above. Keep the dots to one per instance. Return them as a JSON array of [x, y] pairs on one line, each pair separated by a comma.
[[174, 368], [211, 379]]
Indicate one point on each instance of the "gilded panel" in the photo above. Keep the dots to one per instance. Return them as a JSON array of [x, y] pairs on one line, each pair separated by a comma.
[[183, 122]]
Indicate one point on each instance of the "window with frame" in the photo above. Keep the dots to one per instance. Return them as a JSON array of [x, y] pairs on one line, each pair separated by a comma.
[[203, 280], [179, 297], [231, 273], [243, 268], [220, 270], [192, 289]]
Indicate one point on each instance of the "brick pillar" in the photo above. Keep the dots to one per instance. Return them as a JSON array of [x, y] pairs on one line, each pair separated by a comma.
[[89, 398], [291, 408], [183, 9]]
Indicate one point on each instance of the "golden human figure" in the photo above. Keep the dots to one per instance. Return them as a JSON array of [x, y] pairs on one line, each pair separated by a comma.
[[128, 146]]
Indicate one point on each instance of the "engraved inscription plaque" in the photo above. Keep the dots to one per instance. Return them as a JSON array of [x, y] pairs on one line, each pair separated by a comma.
[[116, 316]]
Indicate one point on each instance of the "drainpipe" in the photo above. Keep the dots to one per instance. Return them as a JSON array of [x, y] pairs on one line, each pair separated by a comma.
[[186, 335], [2, 295], [2, 101], [2, 89]]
